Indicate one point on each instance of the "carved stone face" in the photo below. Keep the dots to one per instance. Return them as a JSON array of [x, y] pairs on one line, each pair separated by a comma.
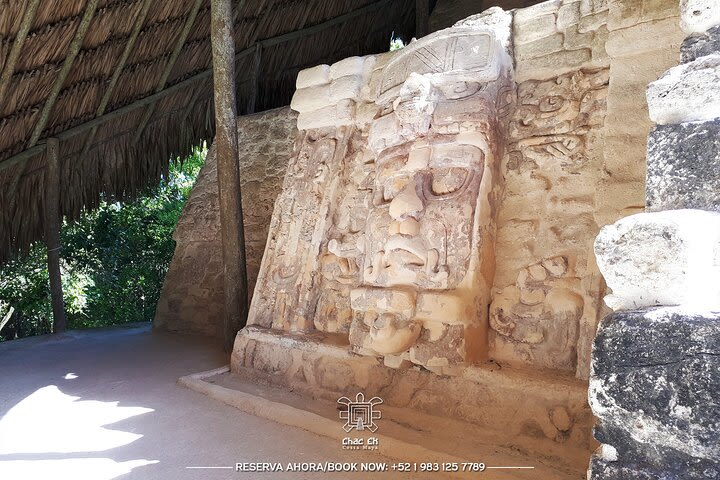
[[419, 233], [431, 141]]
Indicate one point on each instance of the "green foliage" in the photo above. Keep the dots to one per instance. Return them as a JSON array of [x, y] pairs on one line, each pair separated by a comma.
[[114, 260], [396, 43]]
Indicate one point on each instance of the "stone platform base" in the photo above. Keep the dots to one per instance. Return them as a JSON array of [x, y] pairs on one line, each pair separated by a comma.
[[540, 416], [404, 435]]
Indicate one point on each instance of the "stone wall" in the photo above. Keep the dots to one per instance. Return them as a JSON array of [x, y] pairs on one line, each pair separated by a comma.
[[192, 298], [576, 162], [656, 360]]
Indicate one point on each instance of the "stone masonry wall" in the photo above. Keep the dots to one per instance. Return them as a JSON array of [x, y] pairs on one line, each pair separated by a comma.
[[576, 161], [655, 369], [192, 298]]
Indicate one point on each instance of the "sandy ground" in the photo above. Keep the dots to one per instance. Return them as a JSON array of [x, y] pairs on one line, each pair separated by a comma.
[[104, 404]]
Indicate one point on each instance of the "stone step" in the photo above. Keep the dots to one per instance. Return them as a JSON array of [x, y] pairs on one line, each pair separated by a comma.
[[403, 434]]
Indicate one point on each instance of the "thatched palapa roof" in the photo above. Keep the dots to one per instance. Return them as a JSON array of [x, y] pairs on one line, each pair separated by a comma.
[[127, 84]]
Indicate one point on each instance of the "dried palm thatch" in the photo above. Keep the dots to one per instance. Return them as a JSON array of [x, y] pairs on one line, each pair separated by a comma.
[[126, 85]]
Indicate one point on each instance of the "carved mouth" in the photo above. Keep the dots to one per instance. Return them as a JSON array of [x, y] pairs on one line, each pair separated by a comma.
[[407, 251], [404, 258]]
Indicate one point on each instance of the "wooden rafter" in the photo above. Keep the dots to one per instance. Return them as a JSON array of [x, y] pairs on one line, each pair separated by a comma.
[[170, 65], [137, 28], [73, 50], [12, 59], [257, 59], [64, 71]]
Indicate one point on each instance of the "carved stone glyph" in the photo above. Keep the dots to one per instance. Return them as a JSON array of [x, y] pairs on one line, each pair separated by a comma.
[[384, 233], [545, 297]]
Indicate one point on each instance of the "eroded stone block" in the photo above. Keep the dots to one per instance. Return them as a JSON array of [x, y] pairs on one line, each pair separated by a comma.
[[534, 28], [700, 44], [654, 383], [352, 66], [661, 258], [699, 15], [687, 93], [683, 166], [311, 77]]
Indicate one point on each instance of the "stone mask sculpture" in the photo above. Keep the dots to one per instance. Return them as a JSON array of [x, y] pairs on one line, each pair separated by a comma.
[[428, 252], [385, 229]]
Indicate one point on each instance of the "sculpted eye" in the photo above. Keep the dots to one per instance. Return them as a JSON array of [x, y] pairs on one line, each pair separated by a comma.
[[551, 103], [447, 180]]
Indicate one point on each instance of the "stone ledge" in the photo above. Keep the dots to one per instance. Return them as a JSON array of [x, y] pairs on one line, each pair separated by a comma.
[[528, 410], [403, 434]]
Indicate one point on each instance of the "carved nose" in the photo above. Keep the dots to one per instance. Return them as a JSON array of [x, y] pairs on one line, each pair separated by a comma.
[[407, 203]]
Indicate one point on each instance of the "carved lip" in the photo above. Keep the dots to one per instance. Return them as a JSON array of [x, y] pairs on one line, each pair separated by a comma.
[[411, 250]]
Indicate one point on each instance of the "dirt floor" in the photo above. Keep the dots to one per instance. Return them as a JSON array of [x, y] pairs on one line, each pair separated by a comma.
[[104, 404]]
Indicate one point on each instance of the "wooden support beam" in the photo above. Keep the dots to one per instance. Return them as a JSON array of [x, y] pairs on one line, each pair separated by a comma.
[[179, 44], [52, 232], [18, 43], [188, 82], [228, 171], [137, 28], [422, 18], [73, 50]]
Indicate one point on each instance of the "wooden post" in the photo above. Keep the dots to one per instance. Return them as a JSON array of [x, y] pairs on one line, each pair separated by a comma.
[[52, 232], [228, 171], [422, 16]]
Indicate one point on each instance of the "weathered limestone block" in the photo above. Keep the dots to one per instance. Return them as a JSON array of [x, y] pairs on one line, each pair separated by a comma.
[[311, 77], [654, 383], [687, 93], [341, 113], [568, 14], [550, 65], [538, 48], [531, 13], [352, 66], [314, 98], [592, 7], [632, 13], [642, 38], [700, 44], [683, 168], [662, 258], [699, 15], [534, 27]]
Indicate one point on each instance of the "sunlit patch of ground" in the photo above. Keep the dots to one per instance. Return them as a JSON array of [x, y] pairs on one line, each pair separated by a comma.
[[49, 422]]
